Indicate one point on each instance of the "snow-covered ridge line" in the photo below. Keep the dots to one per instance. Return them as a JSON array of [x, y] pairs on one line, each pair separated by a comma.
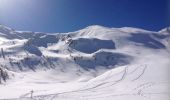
[[93, 63]]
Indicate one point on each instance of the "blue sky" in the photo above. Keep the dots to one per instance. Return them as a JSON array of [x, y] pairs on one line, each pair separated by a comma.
[[72, 15]]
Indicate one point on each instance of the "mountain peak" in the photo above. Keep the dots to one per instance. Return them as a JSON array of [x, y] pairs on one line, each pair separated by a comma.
[[5, 29], [94, 58], [165, 31], [96, 27]]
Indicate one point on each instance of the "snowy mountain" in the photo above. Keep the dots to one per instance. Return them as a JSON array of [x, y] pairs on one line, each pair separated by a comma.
[[95, 63]]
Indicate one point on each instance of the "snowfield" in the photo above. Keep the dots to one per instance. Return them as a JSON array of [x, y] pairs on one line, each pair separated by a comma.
[[95, 63]]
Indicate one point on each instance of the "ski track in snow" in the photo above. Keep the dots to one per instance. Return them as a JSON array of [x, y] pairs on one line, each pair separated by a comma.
[[95, 63]]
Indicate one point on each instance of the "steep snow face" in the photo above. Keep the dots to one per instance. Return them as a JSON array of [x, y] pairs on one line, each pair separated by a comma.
[[43, 40], [91, 45], [28, 34], [165, 31], [10, 33], [164, 35], [146, 40], [123, 37], [103, 58], [95, 63], [32, 49], [7, 32]]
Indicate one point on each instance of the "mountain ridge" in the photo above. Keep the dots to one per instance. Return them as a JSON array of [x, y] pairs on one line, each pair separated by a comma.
[[95, 58]]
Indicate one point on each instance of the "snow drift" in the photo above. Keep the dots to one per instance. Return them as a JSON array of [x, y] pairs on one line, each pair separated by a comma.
[[95, 63]]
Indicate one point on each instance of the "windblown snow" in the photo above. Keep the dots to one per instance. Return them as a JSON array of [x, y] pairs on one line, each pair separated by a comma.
[[95, 63]]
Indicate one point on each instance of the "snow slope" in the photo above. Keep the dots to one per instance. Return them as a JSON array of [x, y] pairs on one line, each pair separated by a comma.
[[95, 63]]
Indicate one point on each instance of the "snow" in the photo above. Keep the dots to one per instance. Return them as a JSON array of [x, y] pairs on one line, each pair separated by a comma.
[[95, 63], [87, 45]]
